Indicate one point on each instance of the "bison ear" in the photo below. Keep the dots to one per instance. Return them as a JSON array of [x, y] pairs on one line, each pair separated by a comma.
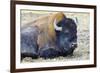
[[57, 27], [75, 20]]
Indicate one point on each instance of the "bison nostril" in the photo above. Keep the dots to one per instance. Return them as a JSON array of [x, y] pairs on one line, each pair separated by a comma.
[[74, 45]]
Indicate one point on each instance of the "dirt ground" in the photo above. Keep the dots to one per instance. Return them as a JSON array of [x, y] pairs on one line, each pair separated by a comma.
[[81, 52]]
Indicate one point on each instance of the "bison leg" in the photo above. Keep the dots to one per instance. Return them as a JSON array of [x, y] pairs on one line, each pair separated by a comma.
[[49, 52]]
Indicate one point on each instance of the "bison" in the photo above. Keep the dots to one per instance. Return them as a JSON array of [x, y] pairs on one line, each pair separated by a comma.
[[49, 36]]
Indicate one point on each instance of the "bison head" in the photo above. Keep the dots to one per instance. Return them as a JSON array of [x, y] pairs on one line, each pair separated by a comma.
[[66, 35]]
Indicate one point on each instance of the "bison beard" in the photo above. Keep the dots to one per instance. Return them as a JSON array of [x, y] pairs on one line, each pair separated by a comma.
[[41, 39]]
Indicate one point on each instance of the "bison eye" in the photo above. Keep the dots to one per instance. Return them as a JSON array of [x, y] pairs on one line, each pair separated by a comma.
[[59, 24]]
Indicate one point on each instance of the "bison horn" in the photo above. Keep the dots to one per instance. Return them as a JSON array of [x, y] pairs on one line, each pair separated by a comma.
[[75, 20], [56, 27]]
